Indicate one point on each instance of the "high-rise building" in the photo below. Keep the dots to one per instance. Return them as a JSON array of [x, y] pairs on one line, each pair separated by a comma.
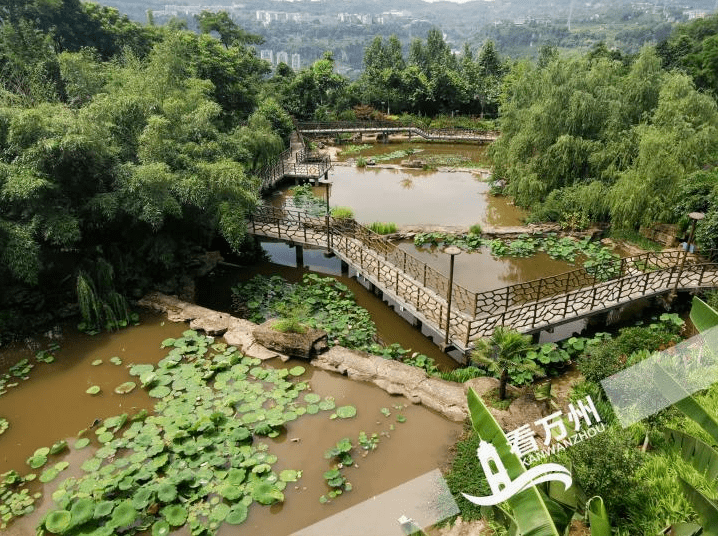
[[267, 54], [296, 62], [282, 56]]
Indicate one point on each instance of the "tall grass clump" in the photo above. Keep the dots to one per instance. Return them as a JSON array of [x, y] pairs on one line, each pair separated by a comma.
[[342, 213], [361, 162], [383, 228], [101, 306]]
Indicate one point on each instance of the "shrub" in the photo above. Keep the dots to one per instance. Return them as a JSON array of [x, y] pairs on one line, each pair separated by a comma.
[[342, 213], [289, 325], [606, 465], [475, 229], [361, 162]]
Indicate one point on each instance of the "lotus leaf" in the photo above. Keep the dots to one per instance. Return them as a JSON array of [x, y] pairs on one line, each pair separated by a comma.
[[266, 493], [115, 422], [103, 509], [400, 418], [58, 521], [141, 499], [48, 475], [327, 404], [138, 370], [261, 468], [237, 514], [297, 371], [168, 342], [91, 465], [125, 388], [81, 443], [346, 412], [160, 391], [160, 528], [219, 512], [97, 362], [236, 476], [231, 492], [312, 409], [82, 511], [175, 514], [61, 466], [36, 461], [124, 514], [105, 437], [166, 492], [289, 475], [115, 360], [93, 390], [262, 428], [312, 398]]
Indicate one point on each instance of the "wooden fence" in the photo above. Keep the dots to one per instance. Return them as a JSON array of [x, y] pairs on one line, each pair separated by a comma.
[[448, 134]]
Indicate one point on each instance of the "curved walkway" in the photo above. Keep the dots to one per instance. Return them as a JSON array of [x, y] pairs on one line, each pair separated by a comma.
[[527, 307]]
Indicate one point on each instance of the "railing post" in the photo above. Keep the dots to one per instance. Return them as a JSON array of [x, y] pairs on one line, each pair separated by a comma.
[[361, 257], [538, 290], [476, 304], [396, 287], [620, 287], [593, 297], [565, 305], [703, 271], [424, 281], [279, 230], [508, 294], [645, 283], [468, 331], [404, 268]]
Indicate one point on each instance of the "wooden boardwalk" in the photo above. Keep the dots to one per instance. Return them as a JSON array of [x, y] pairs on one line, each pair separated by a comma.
[[394, 127], [297, 163], [527, 307]]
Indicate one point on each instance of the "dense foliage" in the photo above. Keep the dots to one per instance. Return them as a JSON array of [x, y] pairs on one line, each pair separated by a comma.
[[127, 143]]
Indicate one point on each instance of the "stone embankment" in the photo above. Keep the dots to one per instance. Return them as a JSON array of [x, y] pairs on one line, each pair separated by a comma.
[[394, 377]]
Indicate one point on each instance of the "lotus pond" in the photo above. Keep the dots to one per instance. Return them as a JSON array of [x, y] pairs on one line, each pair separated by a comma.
[[182, 433]]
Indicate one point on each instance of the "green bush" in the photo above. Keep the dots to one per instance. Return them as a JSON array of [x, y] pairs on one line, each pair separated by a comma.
[[361, 162], [475, 229], [289, 325], [466, 475], [342, 213], [606, 465]]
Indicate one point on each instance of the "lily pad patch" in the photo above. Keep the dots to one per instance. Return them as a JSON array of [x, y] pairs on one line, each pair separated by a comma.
[[93, 390]]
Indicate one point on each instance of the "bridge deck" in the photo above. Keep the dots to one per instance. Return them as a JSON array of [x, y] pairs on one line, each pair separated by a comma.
[[527, 307]]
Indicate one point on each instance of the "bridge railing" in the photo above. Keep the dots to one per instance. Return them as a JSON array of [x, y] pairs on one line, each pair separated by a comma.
[[524, 306], [530, 316]]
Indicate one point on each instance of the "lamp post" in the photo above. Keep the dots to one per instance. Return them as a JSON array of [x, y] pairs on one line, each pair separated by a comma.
[[695, 217], [327, 183], [453, 251]]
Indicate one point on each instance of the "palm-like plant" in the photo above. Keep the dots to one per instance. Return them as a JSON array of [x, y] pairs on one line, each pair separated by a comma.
[[505, 349]]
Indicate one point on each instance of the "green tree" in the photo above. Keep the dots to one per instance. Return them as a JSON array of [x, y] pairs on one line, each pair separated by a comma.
[[504, 350], [229, 32]]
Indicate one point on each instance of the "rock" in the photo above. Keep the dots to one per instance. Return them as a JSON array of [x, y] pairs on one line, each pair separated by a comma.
[[415, 164], [466, 528], [481, 385], [303, 345]]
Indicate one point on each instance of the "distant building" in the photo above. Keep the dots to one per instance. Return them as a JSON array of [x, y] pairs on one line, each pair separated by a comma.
[[267, 54], [695, 14], [282, 57], [296, 62]]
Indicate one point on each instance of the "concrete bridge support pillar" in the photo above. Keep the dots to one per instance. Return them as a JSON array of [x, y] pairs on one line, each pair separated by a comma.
[[299, 253], [344, 268]]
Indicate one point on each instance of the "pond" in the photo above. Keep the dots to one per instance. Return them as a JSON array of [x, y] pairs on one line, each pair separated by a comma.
[[412, 197], [53, 404]]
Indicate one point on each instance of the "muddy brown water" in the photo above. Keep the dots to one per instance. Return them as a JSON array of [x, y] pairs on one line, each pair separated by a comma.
[[411, 197], [53, 405]]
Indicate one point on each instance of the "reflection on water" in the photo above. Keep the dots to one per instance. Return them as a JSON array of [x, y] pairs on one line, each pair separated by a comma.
[[411, 197], [480, 271]]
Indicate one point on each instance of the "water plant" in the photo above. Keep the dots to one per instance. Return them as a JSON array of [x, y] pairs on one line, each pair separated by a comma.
[[362, 162], [383, 228], [303, 198], [196, 461], [353, 149], [342, 213], [101, 306]]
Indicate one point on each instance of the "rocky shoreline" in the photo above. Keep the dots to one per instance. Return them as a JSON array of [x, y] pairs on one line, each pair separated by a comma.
[[396, 378]]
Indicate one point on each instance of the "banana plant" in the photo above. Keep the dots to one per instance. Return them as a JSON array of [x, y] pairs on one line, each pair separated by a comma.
[[532, 512]]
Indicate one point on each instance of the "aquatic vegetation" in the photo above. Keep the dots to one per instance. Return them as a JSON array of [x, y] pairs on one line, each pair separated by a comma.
[[4, 425], [353, 149], [101, 306], [599, 261], [383, 228], [342, 213], [196, 461], [303, 198]]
